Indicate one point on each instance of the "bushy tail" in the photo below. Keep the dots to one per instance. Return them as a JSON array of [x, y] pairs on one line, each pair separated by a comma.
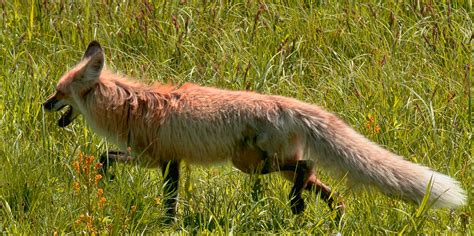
[[338, 147]]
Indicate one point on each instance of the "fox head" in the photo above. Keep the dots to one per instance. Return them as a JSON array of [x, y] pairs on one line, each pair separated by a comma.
[[76, 84]]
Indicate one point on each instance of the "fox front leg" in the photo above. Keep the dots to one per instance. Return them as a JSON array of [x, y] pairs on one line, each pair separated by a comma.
[[302, 170], [170, 171], [110, 157]]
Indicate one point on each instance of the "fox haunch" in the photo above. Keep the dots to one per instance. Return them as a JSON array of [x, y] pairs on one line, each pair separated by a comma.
[[163, 125]]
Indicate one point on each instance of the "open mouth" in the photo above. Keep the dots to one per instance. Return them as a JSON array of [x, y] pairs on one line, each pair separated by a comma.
[[67, 116]]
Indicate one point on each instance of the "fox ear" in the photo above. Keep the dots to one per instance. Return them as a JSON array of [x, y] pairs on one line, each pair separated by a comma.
[[94, 66], [93, 48]]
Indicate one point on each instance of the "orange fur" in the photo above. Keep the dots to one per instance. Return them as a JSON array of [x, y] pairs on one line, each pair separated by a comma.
[[203, 125]]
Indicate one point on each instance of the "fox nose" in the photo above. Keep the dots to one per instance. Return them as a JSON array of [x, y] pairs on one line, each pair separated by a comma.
[[48, 105]]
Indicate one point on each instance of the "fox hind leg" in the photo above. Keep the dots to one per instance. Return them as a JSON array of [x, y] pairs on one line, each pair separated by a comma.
[[315, 185], [302, 170], [330, 197], [253, 159]]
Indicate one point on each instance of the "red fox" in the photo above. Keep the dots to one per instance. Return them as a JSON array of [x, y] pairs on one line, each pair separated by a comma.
[[163, 125]]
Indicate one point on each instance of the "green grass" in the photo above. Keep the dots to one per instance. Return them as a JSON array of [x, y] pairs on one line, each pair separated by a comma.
[[403, 67]]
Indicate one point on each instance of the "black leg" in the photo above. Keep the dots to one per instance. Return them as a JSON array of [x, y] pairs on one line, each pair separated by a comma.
[[323, 191], [107, 159], [252, 159], [302, 170], [327, 195], [170, 171]]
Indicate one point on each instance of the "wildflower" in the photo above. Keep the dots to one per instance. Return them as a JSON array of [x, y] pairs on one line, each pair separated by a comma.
[[81, 157], [98, 166], [89, 159], [80, 219], [100, 192], [371, 125], [89, 222], [157, 200], [77, 166], [87, 164], [98, 177], [133, 208], [102, 201], [377, 129], [76, 186], [371, 121]]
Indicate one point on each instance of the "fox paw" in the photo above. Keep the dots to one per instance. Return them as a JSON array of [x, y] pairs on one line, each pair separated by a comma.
[[297, 205]]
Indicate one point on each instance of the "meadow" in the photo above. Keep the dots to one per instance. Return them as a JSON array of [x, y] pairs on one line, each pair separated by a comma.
[[400, 72]]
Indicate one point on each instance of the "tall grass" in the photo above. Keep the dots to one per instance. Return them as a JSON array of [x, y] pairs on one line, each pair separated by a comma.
[[399, 72]]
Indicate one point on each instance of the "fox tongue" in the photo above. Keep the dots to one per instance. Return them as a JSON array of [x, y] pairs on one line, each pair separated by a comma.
[[66, 119]]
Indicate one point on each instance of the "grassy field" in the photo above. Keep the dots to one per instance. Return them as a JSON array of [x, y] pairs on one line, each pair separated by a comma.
[[400, 73]]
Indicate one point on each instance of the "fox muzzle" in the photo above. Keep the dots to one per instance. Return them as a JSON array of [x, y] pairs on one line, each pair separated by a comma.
[[53, 105]]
